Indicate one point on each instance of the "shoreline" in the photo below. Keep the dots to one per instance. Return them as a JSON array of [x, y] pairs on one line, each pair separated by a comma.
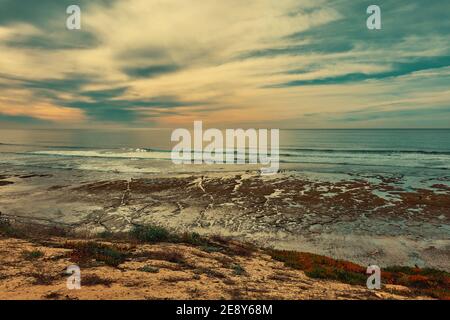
[[367, 219]]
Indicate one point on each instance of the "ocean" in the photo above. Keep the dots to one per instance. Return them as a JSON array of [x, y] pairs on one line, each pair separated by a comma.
[[403, 151]]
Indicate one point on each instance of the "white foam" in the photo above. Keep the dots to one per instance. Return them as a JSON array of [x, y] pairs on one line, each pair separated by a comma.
[[136, 154]]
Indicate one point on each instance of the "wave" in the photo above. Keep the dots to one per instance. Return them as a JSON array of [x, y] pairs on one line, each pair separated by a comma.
[[435, 160], [43, 146], [362, 151], [134, 154], [284, 150], [287, 152], [350, 163]]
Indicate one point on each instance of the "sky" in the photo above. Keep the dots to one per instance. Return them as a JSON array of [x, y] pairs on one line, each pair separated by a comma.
[[229, 63]]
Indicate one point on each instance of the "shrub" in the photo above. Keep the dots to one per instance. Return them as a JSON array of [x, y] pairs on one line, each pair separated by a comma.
[[350, 277], [193, 238], [149, 269], [240, 249], [211, 249], [52, 295], [238, 269], [85, 251], [151, 233], [106, 235], [27, 230], [7, 230], [45, 279], [435, 283], [320, 267], [170, 256], [32, 255], [210, 273], [94, 280], [432, 282]]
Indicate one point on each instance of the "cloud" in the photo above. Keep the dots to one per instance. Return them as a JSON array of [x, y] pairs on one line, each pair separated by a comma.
[[397, 70], [150, 71], [399, 114], [165, 63], [41, 110]]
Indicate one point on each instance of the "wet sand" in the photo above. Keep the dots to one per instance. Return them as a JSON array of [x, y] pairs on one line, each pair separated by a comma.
[[368, 219]]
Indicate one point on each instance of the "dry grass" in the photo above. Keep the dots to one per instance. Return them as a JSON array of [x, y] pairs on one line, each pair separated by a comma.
[[170, 256], [44, 279], [30, 230], [52, 296], [210, 273], [95, 280]]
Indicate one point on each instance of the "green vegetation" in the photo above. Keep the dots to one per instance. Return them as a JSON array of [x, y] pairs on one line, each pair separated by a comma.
[[32, 255], [149, 269], [427, 281], [211, 249], [7, 230], [435, 283], [85, 252], [192, 238], [238, 269], [151, 233]]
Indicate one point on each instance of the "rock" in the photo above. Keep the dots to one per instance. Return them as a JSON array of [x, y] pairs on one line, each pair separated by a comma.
[[315, 228]]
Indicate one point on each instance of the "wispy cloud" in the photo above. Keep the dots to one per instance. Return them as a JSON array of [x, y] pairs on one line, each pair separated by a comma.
[[290, 63]]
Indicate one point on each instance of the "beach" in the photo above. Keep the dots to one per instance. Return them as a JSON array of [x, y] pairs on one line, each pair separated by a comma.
[[370, 196], [365, 219], [355, 203]]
